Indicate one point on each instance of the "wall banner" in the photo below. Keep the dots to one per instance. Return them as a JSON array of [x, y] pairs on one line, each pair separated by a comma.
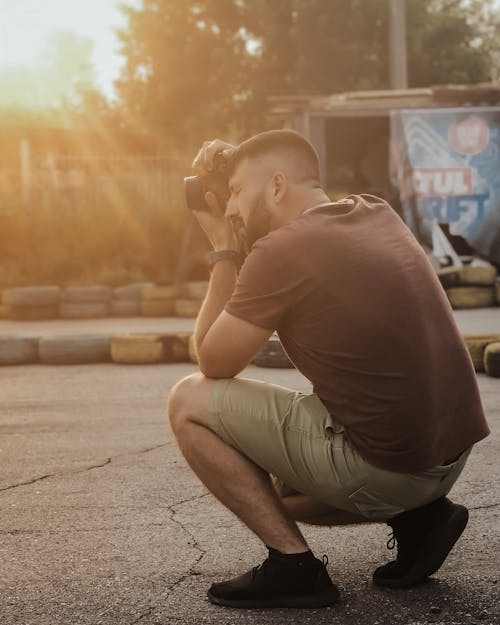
[[446, 166]]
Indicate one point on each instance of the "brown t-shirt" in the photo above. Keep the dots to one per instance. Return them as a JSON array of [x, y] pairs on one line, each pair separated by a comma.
[[362, 315]]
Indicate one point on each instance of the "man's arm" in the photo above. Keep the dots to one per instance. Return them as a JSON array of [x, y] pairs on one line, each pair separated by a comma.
[[224, 343]]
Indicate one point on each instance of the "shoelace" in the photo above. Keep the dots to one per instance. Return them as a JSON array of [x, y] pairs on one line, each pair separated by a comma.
[[262, 566], [391, 543]]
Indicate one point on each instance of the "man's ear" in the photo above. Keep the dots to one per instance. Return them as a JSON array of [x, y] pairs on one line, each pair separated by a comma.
[[280, 186]]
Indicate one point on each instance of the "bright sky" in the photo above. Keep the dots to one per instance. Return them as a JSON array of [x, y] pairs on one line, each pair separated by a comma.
[[27, 25]]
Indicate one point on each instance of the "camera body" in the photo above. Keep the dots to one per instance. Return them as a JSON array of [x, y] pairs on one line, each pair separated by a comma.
[[216, 181]]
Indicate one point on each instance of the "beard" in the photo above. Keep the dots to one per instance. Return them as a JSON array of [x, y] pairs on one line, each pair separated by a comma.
[[259, 221]]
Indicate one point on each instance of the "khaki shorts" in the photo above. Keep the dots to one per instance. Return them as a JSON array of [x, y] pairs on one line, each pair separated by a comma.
[[292, 436]]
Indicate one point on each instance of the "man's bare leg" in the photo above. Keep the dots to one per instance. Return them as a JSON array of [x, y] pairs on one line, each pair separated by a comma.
[[236, 481]]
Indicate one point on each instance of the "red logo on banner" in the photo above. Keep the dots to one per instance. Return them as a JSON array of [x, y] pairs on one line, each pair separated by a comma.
[[470, 136]]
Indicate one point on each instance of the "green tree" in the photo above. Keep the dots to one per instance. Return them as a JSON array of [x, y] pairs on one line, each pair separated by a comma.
[[324, 47], [198, 68], [184, 77]]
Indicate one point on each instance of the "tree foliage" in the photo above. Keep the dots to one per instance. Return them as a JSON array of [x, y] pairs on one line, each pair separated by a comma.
[[195, 68]]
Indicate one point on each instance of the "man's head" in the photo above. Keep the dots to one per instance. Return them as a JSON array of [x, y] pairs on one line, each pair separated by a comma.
[[273, 177]]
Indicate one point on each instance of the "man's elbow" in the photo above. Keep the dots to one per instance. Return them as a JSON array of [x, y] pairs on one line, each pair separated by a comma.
[[217, 368]]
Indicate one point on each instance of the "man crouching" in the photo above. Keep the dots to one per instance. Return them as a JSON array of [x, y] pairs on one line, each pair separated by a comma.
[[395, 407]]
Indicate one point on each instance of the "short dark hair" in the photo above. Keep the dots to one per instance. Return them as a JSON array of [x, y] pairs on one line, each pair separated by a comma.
[[271, 140]]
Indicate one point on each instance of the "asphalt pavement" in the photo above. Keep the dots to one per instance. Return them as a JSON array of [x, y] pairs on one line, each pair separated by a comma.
[[102, 522]]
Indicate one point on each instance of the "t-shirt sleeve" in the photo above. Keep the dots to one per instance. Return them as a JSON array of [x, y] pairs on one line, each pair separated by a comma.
[[268, 286]]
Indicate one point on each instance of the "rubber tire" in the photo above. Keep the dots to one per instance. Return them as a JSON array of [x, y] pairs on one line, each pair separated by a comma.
[[492, 359], [83, 310], [471, 297], [195, 290], [272, 355], [74, 350], [157, 308], [483, 274], [160, 293], [476, 344], [125, 308], [35, 313], [130, 291], [137, 349], [192, 350], [176, 347], [86, 294], [18, 349], [188, 308], [32, 296]]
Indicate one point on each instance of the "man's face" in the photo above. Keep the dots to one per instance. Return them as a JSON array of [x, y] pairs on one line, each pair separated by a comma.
[[247, 207]]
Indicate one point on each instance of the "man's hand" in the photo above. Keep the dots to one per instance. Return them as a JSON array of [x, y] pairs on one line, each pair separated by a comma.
[[218, 228], [203, 163]]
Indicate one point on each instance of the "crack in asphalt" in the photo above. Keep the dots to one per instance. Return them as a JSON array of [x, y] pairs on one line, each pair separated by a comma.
[[491, 505], [114, 528], [194, 544], [76, 471], [143, 616]]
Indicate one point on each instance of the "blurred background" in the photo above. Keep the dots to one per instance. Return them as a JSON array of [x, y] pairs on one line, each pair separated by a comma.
[[104, 103]]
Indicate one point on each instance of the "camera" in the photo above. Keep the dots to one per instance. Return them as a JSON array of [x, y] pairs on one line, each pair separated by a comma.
[[216, 181]]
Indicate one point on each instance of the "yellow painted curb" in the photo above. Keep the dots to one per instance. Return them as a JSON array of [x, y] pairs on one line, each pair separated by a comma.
[[137, 349]]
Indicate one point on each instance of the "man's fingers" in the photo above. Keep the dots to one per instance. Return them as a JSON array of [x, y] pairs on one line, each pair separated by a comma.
[[215, 207], [210, 151], [204, 160]]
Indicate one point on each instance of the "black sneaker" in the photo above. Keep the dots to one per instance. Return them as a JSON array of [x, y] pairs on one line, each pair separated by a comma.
[[278, 584], [424, 537]]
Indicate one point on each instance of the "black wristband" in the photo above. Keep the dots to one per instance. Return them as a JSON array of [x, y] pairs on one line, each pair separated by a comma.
[[216, 256]]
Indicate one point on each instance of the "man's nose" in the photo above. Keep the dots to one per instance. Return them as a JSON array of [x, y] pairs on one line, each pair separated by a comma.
[[231, 209]]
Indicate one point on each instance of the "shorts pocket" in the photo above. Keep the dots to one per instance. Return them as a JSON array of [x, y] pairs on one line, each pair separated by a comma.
[[372, 504]]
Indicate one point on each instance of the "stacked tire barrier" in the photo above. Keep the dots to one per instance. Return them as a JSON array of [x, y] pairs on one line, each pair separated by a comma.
[[477, 345], [272, 355], [150, 348], [32, 302], [158, 301], [491, 359], [126, 300], [4, 309], [471, 286], [85, 302], [193, 294]]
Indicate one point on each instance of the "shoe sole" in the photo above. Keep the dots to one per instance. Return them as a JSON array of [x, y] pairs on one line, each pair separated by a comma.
[[435, 549], [317, 600]]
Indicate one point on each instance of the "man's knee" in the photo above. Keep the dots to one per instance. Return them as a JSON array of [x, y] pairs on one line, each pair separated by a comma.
[[188, 400]]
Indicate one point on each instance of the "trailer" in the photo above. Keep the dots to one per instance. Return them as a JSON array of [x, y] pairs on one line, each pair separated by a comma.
[[433, 153]]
